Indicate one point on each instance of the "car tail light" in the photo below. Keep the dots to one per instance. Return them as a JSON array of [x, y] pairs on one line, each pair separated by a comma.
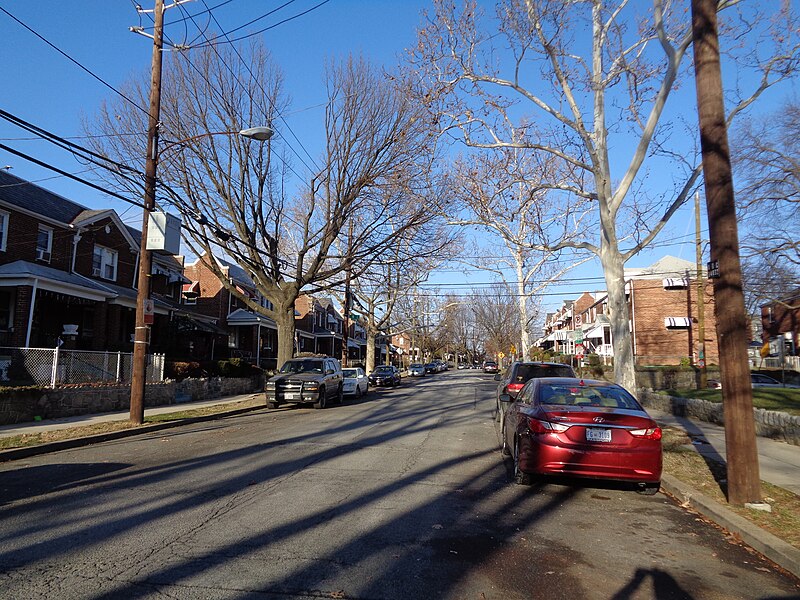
[[652, 433], [514, 387], [539, 426]]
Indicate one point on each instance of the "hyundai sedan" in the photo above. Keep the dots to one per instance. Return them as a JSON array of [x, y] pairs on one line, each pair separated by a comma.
[[581, 428]]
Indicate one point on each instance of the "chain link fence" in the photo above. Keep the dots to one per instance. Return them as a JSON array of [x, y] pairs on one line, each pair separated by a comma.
[[54, 366]]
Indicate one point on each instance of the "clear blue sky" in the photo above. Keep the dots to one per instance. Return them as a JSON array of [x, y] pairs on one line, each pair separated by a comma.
[[43, 87]]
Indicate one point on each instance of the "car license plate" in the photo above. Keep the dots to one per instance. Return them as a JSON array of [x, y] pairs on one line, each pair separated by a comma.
[[594, 434], [290, 396]]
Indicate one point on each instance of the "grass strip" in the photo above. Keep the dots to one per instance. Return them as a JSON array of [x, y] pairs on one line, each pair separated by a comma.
[[707, 476], [780, 399]]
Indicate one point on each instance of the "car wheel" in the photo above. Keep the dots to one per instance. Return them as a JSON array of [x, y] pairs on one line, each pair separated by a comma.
[[520, 476], [359, 393], [272, 404], [323, 397], [648, 489]]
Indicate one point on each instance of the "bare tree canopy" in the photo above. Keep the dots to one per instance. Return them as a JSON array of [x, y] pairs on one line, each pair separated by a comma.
[[587, 83], [233, 192]]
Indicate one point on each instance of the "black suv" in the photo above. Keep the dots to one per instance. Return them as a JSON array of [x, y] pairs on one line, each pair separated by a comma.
[[307, 380], [518, 373]]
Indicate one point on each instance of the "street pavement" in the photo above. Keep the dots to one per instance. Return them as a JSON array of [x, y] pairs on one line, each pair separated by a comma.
[[779, 465], [402, 494]]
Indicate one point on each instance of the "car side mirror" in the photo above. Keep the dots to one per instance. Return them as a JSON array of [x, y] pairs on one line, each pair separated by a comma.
[[506, 398], [330, 372], [497, 377]]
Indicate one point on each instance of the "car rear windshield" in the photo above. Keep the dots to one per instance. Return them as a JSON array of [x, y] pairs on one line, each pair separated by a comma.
[[302, 366], [526, 372], [383, 369], [587, 395]]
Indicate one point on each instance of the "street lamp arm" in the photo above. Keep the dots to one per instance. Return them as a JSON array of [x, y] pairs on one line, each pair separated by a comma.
[[260, 134]]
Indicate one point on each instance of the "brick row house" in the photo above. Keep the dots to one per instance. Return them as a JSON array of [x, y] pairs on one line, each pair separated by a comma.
[[69, 273], [662, 300]]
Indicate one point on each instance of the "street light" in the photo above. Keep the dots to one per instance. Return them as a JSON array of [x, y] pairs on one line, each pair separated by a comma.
[[138, 378]]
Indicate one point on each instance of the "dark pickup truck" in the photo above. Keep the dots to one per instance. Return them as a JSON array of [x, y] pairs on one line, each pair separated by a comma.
[[307, 380]]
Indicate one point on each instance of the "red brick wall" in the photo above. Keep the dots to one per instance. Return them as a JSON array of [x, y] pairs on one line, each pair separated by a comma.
[[657, 345], [213, 299]]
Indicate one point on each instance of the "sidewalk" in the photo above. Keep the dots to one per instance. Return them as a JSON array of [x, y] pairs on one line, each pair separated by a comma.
[[779, 462], [80, 421]]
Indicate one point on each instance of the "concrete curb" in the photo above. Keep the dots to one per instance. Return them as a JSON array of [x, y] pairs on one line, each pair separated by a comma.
[[28, 451], [781, 553]]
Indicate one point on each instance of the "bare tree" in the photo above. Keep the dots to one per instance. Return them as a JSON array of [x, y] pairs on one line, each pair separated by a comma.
[[767, 158], [506, 194], [576, 80], [495, 311], [236, 191]]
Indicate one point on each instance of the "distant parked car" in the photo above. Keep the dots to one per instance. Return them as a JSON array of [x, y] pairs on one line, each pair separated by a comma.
[[462, 366], [416, 370], [581, 428], [385, 375], [520, 372], [430, 368], [757, 380], [355, 381], [490, 367]]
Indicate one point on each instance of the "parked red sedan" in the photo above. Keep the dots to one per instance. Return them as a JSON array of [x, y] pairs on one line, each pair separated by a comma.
[[581, 428]]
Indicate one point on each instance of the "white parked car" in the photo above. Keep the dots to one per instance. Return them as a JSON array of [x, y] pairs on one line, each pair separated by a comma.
[[416, 370], [355, 381]]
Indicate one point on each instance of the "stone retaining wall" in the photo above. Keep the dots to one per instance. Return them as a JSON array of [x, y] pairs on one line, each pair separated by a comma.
[[769, 423], [24, 405]]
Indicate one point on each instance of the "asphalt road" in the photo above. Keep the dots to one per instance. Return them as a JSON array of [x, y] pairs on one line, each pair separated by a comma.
[[400, 495]]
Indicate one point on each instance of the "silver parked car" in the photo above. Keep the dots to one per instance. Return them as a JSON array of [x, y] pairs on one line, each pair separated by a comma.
[[416, 370]]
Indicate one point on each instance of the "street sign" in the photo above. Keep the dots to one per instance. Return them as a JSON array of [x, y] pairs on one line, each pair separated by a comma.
[[713, 269]]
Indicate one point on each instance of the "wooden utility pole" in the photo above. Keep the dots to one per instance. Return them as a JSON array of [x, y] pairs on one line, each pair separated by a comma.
[[701, 304], [744, 484], [141, 335]]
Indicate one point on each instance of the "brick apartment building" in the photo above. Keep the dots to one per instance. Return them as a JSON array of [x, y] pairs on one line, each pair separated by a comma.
[[662, 300]]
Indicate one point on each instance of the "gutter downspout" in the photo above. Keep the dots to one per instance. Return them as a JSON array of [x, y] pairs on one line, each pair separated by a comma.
[[30, 313]]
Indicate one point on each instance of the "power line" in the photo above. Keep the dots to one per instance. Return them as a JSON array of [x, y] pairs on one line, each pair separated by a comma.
[[74, 61], [280, 116], [244, 37], [69, 175]]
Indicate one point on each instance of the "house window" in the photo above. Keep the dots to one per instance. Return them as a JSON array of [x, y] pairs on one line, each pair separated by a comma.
[[104, 263], [44, 243], [3, 230]]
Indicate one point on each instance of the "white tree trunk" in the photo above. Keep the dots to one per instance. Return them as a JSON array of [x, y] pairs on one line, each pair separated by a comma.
[[619, 317], [370, 366], [522, 303]]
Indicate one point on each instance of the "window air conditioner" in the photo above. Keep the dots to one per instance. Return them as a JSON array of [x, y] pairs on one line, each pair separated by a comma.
[[42, 254]]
